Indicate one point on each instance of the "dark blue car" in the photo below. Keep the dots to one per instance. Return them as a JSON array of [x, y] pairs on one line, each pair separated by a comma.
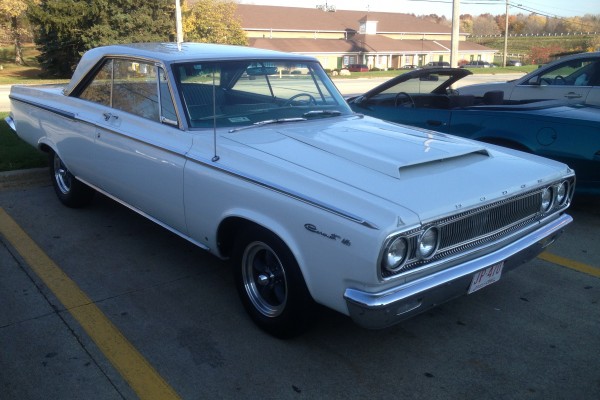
[[425, 98]]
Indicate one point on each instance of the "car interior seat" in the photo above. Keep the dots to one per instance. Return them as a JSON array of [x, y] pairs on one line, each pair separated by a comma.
[[493, 97]]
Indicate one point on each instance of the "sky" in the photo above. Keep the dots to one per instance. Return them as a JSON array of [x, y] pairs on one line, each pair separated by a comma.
[[558, 8]]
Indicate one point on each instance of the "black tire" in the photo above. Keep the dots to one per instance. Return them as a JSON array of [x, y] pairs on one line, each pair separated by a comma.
[[270, 284], [69, 190]]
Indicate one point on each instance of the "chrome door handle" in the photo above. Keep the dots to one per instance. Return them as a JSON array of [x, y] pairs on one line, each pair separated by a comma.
[[573, 95]]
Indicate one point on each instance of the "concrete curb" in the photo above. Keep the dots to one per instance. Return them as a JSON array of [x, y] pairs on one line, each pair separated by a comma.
[[24, 177]]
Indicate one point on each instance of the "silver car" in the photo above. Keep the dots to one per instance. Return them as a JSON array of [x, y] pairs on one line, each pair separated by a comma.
[[575, 79]]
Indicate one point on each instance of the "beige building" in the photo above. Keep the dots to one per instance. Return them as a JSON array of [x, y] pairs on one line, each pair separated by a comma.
[[342, 37]]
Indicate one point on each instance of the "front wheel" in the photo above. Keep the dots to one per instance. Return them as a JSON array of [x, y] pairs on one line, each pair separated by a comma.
[[69, 190], [270, 284]]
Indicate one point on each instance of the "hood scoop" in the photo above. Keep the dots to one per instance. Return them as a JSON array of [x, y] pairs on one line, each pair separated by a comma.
[[391, 150]]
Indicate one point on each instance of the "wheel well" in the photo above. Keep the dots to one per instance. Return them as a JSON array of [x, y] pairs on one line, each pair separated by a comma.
[[45, 148], [228, 231]]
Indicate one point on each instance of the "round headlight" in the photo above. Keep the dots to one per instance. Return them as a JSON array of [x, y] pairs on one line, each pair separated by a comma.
[[546, 200], [396, 254], [428, 243], [562, 193]]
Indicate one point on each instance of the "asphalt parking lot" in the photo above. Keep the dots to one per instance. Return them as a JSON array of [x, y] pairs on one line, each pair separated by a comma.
[[100, 303]]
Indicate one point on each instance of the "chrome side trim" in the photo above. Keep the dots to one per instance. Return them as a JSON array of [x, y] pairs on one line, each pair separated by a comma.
[[142, 213], [53, 110], [248, 178], [287, 192]]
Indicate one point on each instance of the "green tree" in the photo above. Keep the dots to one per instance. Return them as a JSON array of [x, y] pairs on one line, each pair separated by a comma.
[[67, 28], [212, 21]]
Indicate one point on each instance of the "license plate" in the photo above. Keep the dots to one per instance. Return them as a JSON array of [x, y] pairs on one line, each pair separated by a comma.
[[486, 277]]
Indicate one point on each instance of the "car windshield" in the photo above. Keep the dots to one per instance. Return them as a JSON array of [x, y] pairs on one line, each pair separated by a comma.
[[241, 93]]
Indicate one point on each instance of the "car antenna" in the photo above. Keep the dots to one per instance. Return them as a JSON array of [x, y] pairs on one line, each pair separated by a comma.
[[214, 99]]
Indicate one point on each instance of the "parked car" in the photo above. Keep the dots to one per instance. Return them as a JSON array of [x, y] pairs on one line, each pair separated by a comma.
[[514, 63], [442, 64], [358, 68], [311, 202], [575, 79], [477, 64], [424, 98]]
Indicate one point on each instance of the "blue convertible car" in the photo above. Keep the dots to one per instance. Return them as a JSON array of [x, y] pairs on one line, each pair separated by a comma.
[[425, 98]]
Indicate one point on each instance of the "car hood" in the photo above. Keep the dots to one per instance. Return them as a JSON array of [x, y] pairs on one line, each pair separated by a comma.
[[429, 173]]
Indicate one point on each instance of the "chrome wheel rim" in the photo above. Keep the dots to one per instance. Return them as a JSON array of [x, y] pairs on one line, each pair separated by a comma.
[[62, 177], [264, 279]]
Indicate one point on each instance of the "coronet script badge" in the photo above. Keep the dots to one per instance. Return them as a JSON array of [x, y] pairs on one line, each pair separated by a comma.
[[331, 236]]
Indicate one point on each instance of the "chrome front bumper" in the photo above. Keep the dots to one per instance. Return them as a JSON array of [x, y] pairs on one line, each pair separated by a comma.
[[382, 309]]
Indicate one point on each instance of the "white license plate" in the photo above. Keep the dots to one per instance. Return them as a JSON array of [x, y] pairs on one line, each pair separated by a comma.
[[486, 277]]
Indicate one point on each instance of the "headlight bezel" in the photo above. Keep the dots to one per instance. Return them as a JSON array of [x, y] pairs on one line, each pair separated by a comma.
[[561, 201], [395, 266], [547, 199]]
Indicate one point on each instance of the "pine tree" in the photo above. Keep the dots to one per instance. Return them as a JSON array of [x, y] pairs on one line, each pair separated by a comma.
[[65, 29]]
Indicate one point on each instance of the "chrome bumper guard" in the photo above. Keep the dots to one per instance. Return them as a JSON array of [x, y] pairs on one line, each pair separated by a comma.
[[382, 309], [11, 124]]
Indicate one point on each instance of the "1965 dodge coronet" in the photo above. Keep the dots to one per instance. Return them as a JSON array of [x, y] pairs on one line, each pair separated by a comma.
[[255, 156]]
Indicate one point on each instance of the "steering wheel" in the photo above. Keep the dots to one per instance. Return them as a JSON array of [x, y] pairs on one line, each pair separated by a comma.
[[290, 101], [407, 100], [559, 80]]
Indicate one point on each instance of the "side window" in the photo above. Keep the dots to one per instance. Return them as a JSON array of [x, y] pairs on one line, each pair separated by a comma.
[[135, 89], [99, 90], [575, 72]]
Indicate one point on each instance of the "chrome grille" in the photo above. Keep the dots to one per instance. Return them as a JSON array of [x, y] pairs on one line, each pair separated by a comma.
[[488, 220]]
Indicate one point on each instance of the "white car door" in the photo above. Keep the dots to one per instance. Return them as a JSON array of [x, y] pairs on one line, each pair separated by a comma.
[[138, 158]]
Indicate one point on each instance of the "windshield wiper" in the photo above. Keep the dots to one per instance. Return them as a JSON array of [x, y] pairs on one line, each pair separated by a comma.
[[322, 113], [267, 122]]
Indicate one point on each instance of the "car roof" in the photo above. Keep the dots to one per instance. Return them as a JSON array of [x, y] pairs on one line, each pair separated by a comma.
[[167, 53]]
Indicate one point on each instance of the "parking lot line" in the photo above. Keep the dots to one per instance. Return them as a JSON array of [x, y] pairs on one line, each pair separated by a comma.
[[568, 263], [132, 366]]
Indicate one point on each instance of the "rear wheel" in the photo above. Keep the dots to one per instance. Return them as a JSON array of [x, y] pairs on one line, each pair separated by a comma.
[[270, 284], [69, 190]]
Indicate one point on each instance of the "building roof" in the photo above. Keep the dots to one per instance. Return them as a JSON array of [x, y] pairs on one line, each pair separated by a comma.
[[255, 17], [362, 44]]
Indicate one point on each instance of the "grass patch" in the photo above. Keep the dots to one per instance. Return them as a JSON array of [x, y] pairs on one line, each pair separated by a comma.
[[11, 73], [524, 44], [15, 153]]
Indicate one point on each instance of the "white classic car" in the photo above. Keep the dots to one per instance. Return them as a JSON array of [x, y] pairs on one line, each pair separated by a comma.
[[255, 156]]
